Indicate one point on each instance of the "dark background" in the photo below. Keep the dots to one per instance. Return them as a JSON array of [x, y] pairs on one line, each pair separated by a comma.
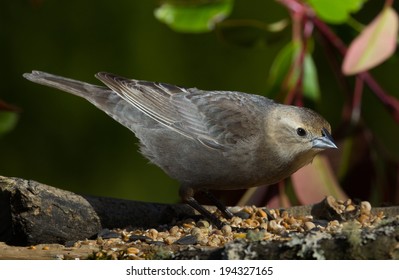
[[64, 141]]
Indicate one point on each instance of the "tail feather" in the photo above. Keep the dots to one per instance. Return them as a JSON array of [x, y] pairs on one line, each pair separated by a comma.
[[75, 87], [102, 97]]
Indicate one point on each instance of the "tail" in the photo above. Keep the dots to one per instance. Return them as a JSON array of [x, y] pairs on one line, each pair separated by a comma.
[[102, 97], [75, 87]]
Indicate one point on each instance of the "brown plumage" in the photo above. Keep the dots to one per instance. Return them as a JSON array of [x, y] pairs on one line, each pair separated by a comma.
[[207, 139]]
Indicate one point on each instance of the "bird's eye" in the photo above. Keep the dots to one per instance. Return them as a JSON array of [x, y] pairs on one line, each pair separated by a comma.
[[301, 132]]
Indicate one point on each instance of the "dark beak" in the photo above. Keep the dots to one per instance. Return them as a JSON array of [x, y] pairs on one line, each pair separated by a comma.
[[324, 142]]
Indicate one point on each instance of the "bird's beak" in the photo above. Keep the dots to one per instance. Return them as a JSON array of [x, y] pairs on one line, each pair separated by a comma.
[[324, 142]]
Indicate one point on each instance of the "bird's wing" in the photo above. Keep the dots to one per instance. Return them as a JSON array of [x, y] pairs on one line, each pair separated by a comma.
[[217, 119], [229, 117]]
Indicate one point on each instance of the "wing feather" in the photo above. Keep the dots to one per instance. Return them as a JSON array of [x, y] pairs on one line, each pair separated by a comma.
[[217, 119]]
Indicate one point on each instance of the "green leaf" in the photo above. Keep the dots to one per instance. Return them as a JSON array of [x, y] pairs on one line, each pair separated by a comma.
[[281, 67], [335, 11], [8, 121], [192, 17], [310, 88]]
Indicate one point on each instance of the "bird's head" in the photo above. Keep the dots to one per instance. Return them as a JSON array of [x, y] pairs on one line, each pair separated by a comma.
[[299, 134]]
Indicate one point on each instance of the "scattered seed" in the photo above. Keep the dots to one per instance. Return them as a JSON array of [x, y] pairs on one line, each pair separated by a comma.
[[236, 220], [174, 230], [187, 240], [153, 233], [188, 225], [203, 241], [235, 209], [251, 223], [350, 208], [226, 230], [170, 240], [135, 237], [263, 225], [243, 215], [196, 231], [348, 202], [248, 209], [309, 225], [132, 250], [261, 213], [239, 235], [203, 224], [365, 207], [274, 226]]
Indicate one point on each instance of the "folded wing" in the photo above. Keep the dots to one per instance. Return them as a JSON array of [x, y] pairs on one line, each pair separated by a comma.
[[215, 118]]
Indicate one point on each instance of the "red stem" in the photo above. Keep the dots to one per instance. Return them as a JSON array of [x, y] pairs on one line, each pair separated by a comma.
[[8, 108], [295, 91], [302, 31], [389, 3], [332, 38], [389, 101]]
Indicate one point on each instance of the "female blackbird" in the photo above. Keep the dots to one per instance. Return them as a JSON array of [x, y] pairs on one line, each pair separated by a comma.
[[207, 139]]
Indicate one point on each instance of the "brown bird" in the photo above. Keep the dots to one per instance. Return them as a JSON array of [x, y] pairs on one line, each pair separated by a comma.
[[207, 139]]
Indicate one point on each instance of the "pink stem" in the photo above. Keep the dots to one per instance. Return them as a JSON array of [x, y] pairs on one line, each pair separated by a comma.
[[389, 101], [389, 2]]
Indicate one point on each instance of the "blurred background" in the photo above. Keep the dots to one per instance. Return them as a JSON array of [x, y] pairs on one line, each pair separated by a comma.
[[63, 141]]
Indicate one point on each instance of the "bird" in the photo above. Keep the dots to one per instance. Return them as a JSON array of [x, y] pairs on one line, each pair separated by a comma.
[[206, 140]]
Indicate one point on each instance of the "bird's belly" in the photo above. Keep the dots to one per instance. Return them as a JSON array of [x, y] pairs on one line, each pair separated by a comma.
[[193, 164]]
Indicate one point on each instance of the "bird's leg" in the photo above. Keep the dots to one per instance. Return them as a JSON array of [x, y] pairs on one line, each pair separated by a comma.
[[187, 195], [208, 215], [226, 212]]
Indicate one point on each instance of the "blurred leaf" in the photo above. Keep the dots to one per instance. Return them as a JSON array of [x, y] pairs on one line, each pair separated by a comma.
[[315, 181], [375, 44], [193, 16], [311, 88], [281, 67], [251, 33], [337, 11], [8, 120]]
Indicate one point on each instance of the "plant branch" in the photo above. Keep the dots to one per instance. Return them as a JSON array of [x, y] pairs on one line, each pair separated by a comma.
[[390, 102]]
